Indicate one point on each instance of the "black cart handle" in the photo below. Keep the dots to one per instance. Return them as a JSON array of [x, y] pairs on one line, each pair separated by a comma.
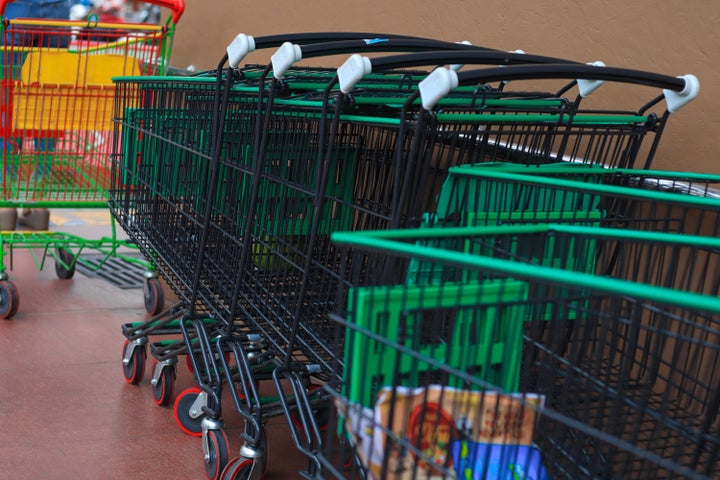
[[289, 53], [243, 44], [356, 67], [678, 91]]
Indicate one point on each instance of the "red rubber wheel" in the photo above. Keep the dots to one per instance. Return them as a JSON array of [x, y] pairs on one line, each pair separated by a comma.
[[153, 296], [134, 370], [9, 299], [183, 402], [163, 389], [238, 469], [217, 454]]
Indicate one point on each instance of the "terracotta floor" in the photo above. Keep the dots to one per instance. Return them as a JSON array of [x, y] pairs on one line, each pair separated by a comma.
[[66, 411]]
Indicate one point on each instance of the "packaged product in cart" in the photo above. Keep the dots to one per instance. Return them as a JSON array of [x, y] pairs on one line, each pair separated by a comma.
[[442, 432]]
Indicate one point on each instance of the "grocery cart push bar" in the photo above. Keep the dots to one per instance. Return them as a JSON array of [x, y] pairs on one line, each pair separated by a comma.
[[243, 44], [356, 67], [433, 53], [677, 91], [514, 66]]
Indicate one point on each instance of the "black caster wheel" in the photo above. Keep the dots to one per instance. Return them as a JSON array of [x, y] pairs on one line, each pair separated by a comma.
[[153, 296], [164, 385], [65, 268], [134, 368], [191, 425], [238, 469], [9, 299], [242, 468], [216, 456]]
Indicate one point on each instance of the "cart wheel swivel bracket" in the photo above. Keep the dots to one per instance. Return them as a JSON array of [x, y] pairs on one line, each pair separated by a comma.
[[131, 347], [159, 367]]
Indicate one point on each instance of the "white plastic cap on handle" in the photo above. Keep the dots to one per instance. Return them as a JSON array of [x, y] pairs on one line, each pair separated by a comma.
[[436, 86], [586, 87], [239, 48], [352, 71], [519, 52], [284, 58], [676, 100], [458, 66]]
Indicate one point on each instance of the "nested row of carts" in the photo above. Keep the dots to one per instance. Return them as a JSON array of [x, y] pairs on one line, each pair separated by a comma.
[[446, 264], [445, 260]]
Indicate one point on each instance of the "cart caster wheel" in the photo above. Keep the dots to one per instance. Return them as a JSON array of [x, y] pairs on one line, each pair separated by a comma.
[[321, 412], [164, 385], [153, 296], [216, 456], [239, 469], [243, 467], [188, 423], [134, 369], [66, 258], [9, 299]]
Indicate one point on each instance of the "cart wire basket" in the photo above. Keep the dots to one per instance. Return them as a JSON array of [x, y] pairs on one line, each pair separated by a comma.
[[616, 379]]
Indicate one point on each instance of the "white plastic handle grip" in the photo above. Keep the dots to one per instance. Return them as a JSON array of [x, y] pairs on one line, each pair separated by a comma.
[[586, 87], [676, 100], [239, 48], [436, 86], [352, 71], [284, 58]]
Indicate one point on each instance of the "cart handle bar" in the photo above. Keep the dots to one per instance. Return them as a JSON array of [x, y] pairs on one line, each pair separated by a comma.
[[678, 91], [243, 44], [356, 67], [289, 53], [177, 7]]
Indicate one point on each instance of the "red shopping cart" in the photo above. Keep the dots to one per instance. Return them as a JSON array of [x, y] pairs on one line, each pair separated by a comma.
[[55, 126]]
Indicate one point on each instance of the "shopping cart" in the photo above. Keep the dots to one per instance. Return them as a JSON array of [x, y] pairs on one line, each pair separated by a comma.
[[57, 98], [617, 381]]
